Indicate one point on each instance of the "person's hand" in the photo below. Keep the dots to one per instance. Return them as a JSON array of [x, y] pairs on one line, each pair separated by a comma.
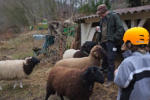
[[97, 29], [123, 47], [116, 71]]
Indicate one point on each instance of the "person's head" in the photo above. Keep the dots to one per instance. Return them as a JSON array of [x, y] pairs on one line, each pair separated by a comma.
[[101, 10], [136, 38]]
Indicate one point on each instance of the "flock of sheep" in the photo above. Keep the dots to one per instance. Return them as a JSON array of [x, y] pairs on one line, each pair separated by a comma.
[[73, 76]]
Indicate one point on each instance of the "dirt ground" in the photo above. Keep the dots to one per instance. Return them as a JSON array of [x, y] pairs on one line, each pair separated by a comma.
[[35, 84]]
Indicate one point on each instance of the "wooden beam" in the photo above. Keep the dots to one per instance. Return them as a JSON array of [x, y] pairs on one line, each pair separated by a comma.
[[91, 20], [140, 15], [142, 22], [125, 25]]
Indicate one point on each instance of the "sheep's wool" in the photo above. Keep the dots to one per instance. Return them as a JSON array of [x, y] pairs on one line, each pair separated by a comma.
[[11, 69], [69, 53]]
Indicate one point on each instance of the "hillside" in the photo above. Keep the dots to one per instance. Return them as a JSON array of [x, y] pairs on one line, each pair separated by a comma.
[[34, 86]]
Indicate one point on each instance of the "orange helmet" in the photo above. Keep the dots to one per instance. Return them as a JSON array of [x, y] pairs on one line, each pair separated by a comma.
[[136, 35]]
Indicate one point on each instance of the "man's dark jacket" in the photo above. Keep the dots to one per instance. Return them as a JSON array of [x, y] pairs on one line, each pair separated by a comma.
[[115, 28]]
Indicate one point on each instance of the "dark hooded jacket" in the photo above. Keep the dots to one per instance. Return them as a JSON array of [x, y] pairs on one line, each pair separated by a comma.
[[115, 28]]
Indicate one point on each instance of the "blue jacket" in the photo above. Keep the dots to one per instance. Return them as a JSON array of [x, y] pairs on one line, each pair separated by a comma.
[[133, 77]]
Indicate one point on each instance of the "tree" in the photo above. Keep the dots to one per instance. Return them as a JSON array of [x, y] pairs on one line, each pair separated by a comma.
[[134, 3], [22, 13], [91, 6]]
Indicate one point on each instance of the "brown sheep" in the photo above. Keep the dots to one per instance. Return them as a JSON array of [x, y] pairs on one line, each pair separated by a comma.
[[94, 58], [76, 84]]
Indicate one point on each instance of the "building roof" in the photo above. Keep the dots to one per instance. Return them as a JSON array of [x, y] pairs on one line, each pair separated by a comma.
[[122, 11], [133, 10], [82, 19]]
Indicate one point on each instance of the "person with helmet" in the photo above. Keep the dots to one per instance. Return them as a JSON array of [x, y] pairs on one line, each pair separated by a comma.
[[109, 37], [133, 74]]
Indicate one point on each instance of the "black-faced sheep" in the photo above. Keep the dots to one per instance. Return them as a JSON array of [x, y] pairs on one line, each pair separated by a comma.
[[96, 54], [76, 84], [83, 52], [17, 69]]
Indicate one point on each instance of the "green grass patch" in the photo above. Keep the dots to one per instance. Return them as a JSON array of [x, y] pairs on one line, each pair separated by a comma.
[[21, 55]]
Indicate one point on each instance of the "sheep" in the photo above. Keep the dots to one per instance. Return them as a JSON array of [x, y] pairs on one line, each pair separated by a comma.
[[85, 49], [17, 69], [83, 52], [96, 54], [69, 53], [75, 84]]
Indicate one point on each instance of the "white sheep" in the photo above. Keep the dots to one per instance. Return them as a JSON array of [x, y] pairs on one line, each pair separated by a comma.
[[69, 53], [83, 52], [17, 69]]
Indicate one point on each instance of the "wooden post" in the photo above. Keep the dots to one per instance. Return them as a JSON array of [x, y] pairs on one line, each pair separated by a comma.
[[125, 25], [142, 22], [60, 48], [133, 23], [77, 37]]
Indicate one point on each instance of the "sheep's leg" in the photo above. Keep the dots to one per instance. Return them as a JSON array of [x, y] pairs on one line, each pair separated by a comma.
[[48, 93], [15, 85], [62, 98], [1, 88], [21, 85]]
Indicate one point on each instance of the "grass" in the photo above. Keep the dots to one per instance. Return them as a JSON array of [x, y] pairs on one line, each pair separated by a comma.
[[21, 46]]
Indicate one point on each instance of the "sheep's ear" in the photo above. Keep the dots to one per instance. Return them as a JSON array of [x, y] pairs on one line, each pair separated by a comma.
[[83, 47], [103, 53], [27, 61], [85, 74], [93, 70], [28, 58], [92, 52], [96, 54], [88, 71]]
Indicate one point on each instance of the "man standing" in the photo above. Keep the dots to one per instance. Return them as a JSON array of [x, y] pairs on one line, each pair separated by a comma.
[[111, 34]]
